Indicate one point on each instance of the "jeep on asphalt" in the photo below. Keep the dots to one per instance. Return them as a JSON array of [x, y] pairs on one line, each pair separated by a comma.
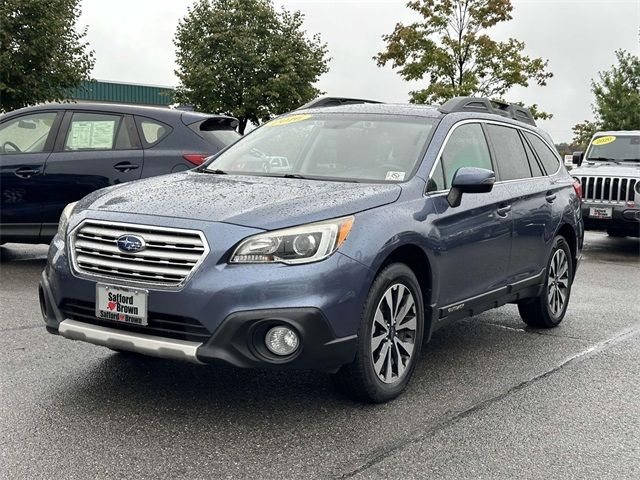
[[609, 173]]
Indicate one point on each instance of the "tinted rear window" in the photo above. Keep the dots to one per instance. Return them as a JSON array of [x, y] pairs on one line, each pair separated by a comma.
[[510, 155], [219, 138]]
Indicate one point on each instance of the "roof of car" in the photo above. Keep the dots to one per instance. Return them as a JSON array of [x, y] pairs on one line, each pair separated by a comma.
[[428, 111], [419, 110], [187, 116]]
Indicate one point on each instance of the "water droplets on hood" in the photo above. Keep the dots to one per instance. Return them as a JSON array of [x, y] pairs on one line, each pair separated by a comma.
[[253, 201]]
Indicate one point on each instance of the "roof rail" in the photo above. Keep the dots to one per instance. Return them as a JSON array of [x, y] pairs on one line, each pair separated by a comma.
[[484, 105], [322, 102]]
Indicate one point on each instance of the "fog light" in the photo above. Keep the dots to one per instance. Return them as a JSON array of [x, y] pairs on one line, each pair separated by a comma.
[[281, 341]]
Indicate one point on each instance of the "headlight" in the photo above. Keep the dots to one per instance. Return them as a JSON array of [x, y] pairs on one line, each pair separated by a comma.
[[63, 223], [303, 244]]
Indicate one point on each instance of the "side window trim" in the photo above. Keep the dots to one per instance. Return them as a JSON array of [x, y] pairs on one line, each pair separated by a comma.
[[130, 125], [64, 130], [492, 153], [536, 158], [483, 122]]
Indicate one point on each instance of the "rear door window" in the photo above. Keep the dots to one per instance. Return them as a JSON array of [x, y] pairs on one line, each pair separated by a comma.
[[549, 159], [27, 133], [97, 131], [509, 150], [466, 147]]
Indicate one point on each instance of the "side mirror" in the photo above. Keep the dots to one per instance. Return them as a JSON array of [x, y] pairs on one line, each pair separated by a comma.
[[577, 158], [470, 180]]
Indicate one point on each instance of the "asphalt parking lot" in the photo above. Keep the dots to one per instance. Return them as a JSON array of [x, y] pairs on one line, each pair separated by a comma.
[[490, 399]]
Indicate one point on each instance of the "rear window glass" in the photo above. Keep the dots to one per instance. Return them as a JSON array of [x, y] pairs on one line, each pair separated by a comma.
[[549, 160], [510, 156], [219, 138]]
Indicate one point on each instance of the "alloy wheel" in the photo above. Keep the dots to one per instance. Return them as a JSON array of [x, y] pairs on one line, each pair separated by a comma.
[[558, 282], [393, 334]]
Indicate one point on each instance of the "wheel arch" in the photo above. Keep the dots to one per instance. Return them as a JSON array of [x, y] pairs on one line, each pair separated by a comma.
[[414, 257]]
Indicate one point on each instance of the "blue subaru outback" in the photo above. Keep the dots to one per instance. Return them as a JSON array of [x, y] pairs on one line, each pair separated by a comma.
[[338, 237]]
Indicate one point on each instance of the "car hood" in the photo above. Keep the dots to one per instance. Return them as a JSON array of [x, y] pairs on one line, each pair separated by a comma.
[[251, 201], [627, 169]]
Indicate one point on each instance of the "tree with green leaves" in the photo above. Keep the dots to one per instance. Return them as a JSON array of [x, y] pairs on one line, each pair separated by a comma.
[[42, 54], [451, 48], [245, 59], [617, 99], [582, 133]]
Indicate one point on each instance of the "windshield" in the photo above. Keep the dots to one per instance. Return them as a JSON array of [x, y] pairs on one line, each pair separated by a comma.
[[356, 147], [618, 148]]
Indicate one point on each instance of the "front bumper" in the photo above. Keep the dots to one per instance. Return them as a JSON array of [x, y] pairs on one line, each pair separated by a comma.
[[624, 219], [235, 306]]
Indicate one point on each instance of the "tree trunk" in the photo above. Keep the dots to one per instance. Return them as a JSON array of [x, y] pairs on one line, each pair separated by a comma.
[[242, 124]]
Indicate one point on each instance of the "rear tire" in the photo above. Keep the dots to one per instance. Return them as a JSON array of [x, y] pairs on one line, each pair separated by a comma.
[[389, 338], [548, 309]]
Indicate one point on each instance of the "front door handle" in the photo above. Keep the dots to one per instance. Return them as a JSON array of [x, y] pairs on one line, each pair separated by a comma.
[[26, 172], [550, 197], [125, 166], [503, 211]]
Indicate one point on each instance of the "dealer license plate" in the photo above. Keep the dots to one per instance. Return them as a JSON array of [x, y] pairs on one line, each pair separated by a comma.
[[600, 212], [118, 304]]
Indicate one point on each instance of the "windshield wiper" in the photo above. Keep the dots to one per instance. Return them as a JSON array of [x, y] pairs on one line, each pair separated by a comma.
[[214, 171], [604, 159], [294, 175]]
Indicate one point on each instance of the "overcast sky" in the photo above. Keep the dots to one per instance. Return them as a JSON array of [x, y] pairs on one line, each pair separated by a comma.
[[133, 42]]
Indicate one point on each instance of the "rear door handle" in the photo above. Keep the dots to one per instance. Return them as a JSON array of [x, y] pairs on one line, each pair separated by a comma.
[[503, 211], [550, 197], [26, 172], [125, 166]]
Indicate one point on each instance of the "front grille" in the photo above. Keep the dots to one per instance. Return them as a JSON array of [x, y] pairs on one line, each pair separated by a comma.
[[169, 257], [608, 189], [160, 325]]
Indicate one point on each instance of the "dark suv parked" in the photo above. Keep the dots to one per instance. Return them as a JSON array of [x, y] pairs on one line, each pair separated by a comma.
[[381, 224], [54, 154]]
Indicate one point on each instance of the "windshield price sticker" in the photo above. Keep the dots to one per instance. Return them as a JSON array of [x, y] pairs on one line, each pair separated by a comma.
[[604, 140], [287, 120]]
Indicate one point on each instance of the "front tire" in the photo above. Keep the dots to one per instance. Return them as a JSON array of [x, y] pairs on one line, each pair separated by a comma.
[[548, 309], [389, 338]]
